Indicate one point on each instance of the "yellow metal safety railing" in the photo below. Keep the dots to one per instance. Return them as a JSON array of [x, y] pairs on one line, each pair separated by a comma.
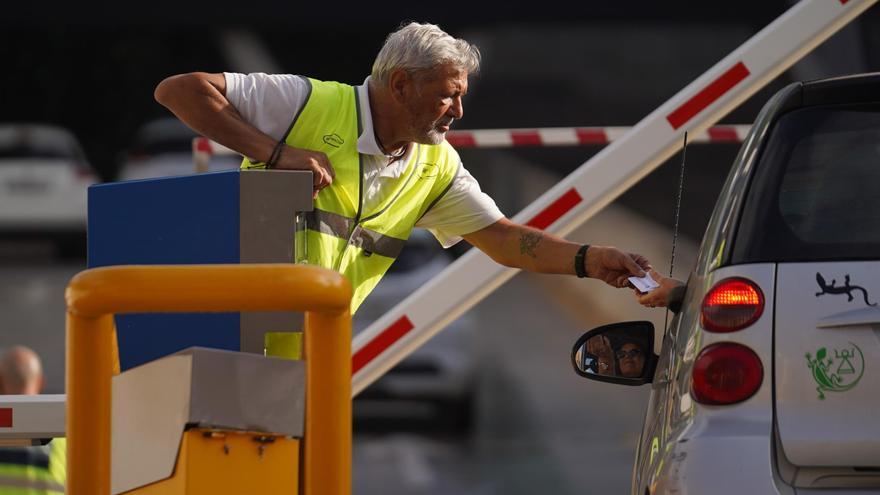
[[95, 295]]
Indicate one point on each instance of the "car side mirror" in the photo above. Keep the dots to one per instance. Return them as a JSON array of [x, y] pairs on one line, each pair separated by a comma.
[[620, 353]]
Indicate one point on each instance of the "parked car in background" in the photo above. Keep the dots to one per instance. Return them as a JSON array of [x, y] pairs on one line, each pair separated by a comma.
[[766, 381], [163, 148], [44, 176], [435, 387]]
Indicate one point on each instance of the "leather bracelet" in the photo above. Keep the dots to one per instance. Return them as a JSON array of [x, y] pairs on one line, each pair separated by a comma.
[[276, 154], [580, 267]]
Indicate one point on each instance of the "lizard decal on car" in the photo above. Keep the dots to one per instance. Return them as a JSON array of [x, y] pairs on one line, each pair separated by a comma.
[[845, 289]]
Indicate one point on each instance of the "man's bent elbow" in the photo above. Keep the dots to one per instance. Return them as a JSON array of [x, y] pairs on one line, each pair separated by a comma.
[[172, 88], [165, 89]]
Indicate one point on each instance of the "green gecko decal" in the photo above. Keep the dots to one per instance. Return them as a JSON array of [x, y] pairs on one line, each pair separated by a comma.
[[829, 378]]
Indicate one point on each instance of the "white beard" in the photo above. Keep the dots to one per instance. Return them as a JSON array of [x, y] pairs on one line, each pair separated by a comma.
[[435, 137]]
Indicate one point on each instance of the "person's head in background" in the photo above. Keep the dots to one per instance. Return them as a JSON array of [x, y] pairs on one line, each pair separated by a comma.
[[21, 372]]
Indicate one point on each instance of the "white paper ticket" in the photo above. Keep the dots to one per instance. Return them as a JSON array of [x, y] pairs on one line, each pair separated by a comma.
[[644, 284]]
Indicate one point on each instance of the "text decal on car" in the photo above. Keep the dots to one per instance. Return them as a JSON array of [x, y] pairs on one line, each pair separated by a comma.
[[837, 374]]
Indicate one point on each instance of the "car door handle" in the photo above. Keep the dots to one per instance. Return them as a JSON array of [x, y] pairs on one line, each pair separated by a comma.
[[855, 317]]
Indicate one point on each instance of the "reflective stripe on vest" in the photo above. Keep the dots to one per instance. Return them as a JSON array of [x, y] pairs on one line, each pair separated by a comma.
[[32, 470], [344, 228], [13, 485], [339, 234]]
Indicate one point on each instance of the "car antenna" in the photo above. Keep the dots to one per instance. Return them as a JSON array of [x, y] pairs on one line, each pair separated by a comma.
[[675, 225]]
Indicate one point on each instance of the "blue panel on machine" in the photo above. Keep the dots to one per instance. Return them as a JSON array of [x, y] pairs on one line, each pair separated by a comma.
[[175, 220]]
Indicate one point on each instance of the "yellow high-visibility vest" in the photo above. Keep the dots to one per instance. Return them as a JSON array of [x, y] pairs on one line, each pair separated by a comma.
[[340, 235], [34, 470]]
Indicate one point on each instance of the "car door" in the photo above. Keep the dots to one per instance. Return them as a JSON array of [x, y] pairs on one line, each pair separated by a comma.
[[655, 429]]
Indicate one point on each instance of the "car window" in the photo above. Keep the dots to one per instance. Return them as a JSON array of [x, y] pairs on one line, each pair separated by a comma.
[[163, 136], [816, 190], [169, 145], [24, 150], [37, 142]]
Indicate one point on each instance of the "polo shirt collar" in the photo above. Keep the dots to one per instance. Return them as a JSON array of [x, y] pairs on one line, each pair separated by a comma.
[[367, 142]]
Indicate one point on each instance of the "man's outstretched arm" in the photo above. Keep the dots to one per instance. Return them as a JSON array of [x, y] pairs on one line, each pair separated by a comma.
[[519, 246]]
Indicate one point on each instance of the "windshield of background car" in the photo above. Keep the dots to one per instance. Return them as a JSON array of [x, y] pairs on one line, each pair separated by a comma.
[[25, 142], [816, 190], [167, 135], [167, 144]]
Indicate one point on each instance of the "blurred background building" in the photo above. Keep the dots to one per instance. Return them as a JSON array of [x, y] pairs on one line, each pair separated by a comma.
[[89, 69]]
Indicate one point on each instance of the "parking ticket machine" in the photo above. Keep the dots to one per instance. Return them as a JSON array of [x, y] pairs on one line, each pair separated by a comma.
[[237, 216]]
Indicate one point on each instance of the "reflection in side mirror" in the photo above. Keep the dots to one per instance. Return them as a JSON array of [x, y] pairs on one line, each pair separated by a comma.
[[618, 353]]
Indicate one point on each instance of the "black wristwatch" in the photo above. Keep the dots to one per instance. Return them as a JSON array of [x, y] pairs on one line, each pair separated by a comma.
[[580, 266]]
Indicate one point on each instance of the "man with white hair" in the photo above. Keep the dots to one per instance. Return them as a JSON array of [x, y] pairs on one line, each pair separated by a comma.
[[34, 470], [381, 165]]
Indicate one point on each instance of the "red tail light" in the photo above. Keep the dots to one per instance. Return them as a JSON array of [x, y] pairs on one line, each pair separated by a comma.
[[726, 373], [733, 304]]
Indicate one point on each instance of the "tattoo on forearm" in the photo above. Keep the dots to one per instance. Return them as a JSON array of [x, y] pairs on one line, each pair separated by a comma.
[[528, 242]]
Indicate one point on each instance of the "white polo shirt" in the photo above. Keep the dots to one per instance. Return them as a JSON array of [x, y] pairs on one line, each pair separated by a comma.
[[269, 102]]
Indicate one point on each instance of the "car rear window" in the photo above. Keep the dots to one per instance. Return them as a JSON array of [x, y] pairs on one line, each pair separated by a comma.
[[28, 151], [26, 142], [182, 144], [815, 194]]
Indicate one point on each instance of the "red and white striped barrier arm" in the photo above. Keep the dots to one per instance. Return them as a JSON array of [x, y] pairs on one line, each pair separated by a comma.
[[574, 136], [204, 148], [31, 416], [603, 178]]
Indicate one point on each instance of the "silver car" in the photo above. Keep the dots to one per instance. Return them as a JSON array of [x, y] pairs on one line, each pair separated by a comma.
[[163, 148], [44, 176], [767, 380]]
